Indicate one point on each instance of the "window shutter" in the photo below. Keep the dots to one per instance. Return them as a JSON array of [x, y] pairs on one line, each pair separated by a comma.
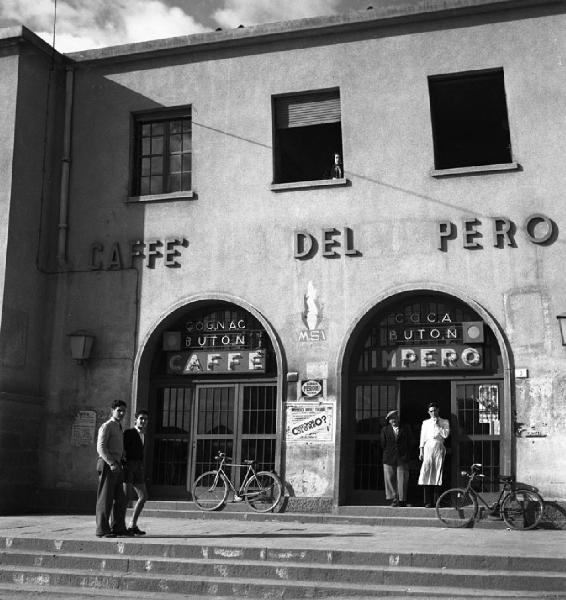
[[302, 110]]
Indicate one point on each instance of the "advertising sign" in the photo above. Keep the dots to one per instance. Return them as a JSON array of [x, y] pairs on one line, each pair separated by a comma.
[[83, 430], [312, 388], [214, 362], [307, 421], [421, 358]]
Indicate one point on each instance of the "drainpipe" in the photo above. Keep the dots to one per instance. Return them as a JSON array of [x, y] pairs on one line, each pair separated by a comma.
[[63, 226]]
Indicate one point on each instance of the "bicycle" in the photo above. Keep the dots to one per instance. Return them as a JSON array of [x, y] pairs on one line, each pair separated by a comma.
[[261, 490], [520, 507]]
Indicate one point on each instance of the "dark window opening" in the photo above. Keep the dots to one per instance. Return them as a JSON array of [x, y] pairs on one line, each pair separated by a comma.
[[308, 135], [469, 120], [163, 154], [307, 153]]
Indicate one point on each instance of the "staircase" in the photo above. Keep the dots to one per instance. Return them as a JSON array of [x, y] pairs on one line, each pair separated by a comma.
[[77, 569], [358, 515]]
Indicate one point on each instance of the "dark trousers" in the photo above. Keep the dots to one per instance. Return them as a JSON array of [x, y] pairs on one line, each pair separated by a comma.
[[111, 501], [431, 493]]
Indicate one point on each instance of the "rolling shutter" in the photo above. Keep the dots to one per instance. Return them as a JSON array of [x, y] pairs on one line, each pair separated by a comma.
[[302, 110]]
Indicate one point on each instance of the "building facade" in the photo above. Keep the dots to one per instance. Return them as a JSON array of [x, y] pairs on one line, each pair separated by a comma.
[[273, 236]]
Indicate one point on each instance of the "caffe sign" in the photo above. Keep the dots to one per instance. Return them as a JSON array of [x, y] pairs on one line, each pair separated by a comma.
[[215, 362]]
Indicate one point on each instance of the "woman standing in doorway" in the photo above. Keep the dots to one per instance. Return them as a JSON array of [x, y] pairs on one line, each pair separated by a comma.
[[434, 431]]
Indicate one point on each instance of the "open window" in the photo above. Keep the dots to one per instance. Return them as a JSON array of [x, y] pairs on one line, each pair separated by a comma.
[[307, 137], [469, 120], [162, 153]]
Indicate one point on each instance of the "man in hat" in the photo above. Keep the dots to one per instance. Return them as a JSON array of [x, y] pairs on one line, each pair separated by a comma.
[[397, 443]]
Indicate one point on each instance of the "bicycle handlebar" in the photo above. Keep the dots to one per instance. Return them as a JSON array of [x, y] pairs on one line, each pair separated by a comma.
[[221, 456]]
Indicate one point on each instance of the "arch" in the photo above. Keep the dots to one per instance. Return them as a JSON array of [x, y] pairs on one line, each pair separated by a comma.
[[194, 301], [149, 344], [362, 319]]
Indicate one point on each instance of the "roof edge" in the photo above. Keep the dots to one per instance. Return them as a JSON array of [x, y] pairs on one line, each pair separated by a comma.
[[389, 12], [17, 36]]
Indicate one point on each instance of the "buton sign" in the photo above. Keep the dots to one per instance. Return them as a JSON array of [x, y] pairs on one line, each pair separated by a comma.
[[214, 362]]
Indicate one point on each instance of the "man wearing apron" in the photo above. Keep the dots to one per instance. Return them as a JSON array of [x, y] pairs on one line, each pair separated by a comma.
[[434, 431]]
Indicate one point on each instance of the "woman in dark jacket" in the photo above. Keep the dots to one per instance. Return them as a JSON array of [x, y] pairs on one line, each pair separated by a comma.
[[397, 443]]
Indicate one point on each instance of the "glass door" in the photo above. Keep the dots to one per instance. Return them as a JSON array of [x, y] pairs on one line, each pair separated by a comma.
[[171, 423], [477, 406], [215, 425], [238, 419], [372, 401]]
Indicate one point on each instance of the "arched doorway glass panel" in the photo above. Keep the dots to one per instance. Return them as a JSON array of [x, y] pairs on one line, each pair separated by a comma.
[[416, 349], [213, 388]]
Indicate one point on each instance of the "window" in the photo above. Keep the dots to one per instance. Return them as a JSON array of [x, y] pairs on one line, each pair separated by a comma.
[[469, 120], [308, 136], [163, 153]]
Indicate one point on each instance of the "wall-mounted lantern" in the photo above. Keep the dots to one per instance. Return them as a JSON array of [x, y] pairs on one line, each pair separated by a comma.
[[562, 322], [81, 346]]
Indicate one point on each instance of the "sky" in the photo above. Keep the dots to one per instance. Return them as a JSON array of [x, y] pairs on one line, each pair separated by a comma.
[[85, 24]]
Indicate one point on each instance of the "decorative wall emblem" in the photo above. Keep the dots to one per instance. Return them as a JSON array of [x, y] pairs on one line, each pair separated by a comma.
[[311, 316], [312, 312]]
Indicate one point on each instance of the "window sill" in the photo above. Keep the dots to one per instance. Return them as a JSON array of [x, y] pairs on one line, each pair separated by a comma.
[[513, 166], [307, 185], [189, 195]]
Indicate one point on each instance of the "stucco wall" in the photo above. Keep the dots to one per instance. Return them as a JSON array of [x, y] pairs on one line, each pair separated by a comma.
[[8, 97], [26, 196], [240, 233]]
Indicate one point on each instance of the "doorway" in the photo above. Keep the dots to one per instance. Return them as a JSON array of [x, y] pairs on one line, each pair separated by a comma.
[[417, 348], [415, 396], [212, 387], [194, 422]]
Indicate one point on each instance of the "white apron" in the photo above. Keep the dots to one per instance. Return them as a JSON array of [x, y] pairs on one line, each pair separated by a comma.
[[431, 469], [432, 441]]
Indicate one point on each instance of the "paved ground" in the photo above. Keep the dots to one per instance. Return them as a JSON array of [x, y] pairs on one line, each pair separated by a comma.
[[296, 535]]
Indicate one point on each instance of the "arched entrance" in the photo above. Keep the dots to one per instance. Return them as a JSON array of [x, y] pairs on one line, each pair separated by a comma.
[[414, 348], [208, 376]]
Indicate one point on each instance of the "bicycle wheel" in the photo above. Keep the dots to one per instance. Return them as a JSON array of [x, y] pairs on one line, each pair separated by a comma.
[[210, 490], [457, 507], [522, 509], [263, 491]]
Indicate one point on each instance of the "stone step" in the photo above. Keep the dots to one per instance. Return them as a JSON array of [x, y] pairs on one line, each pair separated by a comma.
[[117, 582], [113, 561], [371, 516], [298, 572], [31, 592], [130, 549], [17, 591]]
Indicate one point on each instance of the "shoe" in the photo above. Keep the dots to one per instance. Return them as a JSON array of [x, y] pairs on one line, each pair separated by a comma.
[[428, 505], [394, 503], [106, 535], [124, 533], [136, 530], [402, 503]]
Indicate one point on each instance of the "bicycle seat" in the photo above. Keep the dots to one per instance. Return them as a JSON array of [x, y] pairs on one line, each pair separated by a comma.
[[506, 478], [249, 462]]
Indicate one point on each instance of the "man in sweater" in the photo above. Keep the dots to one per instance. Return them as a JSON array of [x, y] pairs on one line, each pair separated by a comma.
[[110, 498], [134, 445]]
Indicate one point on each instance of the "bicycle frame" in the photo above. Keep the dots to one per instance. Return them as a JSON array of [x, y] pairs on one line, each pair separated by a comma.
[[238, 493], [509, 485], [519, 505], [475, 474]]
